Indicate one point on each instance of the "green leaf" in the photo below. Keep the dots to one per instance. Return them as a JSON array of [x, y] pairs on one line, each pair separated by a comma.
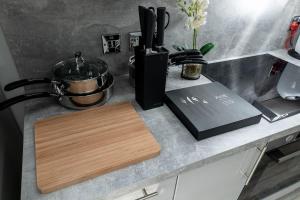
[[206, 48]]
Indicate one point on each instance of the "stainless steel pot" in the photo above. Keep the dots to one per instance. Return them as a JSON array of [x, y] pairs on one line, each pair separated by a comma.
[[96, 98], [70, 100], [76, 75], [79, 75], [78, 83]]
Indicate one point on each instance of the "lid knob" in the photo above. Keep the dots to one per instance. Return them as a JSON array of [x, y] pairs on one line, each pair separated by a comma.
[[77, 54], [79, 60]]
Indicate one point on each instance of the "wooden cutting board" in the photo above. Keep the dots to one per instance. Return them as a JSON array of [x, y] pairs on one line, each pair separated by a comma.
[[74, 147]]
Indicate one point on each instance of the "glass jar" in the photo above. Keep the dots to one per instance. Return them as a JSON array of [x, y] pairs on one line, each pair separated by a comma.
[[191, 71]]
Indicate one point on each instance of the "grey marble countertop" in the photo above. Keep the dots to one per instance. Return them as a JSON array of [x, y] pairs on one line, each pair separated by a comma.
[[179, 150]]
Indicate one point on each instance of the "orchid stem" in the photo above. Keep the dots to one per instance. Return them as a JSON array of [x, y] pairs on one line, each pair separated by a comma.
[[195, 39]]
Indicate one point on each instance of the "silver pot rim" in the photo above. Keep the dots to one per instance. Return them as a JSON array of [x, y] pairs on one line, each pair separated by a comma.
[[65, 100], [84, 80], [96, 81], [63, 63], [95, 92]]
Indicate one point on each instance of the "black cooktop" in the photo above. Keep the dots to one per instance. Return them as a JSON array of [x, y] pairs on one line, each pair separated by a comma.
[[211, 109], [255, 79]]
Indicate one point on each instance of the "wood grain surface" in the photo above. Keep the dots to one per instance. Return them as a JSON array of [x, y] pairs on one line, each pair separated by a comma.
[[75, 147]]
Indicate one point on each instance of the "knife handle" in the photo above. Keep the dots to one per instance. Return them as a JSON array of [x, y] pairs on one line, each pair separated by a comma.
[[142, 11], [191, 57], [152, 9], [149, 28], [161, 14], [186, 52], [192, 61]]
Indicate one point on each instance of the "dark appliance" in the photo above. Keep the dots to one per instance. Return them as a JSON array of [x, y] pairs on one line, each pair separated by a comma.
[[211, 109], [277, 170], [255, 78]]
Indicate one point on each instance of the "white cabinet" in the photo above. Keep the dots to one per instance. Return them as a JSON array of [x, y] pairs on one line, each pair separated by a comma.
[[220, 180], [160, 191]]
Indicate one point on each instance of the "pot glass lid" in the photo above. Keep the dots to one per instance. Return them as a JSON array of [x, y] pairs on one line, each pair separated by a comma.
[[79, 68]]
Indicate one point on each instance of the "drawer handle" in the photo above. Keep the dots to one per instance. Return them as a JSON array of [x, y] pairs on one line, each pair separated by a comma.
[[147, 196], [256, 164], [279, 156]]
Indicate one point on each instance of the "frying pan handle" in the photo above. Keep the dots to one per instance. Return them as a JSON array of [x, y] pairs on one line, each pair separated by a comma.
[[20, 98], [20, 83]]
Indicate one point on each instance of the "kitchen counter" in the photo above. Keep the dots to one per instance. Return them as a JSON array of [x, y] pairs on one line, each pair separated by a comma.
[[179, 150]]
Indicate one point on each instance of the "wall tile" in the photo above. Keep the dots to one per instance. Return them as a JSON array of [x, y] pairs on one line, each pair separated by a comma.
[[43, 32]]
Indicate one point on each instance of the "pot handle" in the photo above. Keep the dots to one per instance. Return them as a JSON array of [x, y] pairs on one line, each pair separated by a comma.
[[7, 103], [23, 82]]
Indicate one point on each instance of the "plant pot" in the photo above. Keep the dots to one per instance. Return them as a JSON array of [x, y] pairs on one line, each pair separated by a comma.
[[191, 71]]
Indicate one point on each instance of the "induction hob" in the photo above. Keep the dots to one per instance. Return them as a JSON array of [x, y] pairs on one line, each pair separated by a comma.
[[277, 108], [255, 79]]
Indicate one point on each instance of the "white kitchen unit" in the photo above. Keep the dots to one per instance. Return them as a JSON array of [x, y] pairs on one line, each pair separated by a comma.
[[160, 191], [220, 180]]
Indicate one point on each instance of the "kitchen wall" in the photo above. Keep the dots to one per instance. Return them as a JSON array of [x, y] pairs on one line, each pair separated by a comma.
[[41, 32]]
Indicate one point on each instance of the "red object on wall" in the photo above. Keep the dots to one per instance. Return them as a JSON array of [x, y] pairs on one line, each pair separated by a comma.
[[295, 24]]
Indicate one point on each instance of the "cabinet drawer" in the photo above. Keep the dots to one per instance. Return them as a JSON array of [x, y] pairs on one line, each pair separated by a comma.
[[160, 191]]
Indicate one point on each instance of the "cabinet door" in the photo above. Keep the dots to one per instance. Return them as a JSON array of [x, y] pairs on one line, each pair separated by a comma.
[[220, 180], [160, 191]]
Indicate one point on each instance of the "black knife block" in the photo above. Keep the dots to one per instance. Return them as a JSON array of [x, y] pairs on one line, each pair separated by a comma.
[[150, 77]]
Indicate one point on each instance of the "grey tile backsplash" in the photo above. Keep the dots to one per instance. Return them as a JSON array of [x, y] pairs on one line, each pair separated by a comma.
[[42, 32]]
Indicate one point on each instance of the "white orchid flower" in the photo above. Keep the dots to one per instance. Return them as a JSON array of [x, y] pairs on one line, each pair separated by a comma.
[[196, 15]]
